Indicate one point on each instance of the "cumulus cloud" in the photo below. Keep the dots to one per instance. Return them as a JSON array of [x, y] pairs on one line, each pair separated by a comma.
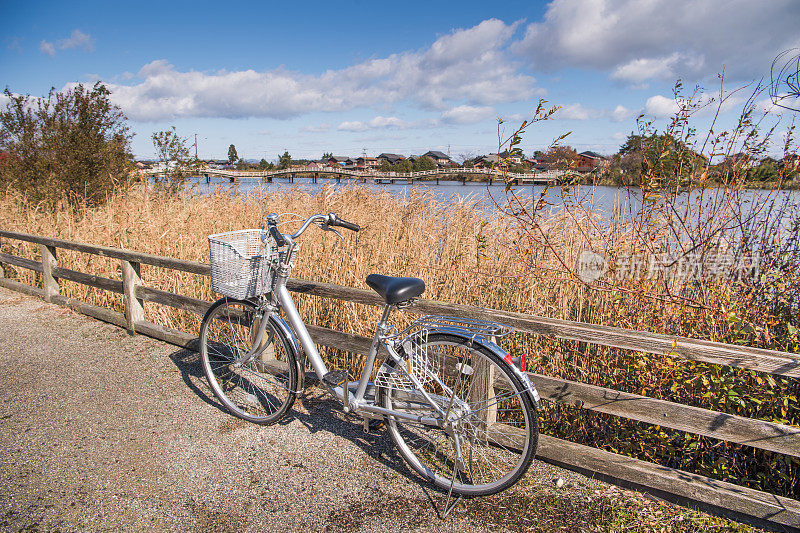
[[638, 40], [466, 67], [47, 48], [621, 113], [77, 39], [467, 114], [661, 106], [577, 112]]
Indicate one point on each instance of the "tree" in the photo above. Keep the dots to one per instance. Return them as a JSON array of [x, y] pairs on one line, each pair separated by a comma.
[[284, 161], [265, 165], [662, 159], [173, 154], [73, 145], [404, 166], [326, 155], [560, 157], [232, 156], [424, 163]]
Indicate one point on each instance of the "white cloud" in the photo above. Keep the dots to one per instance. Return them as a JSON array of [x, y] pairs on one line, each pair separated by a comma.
[[621, 113], [47, 48], [354, 125], [639, 40], [317, 128], [577, 112], [467, 114], [375, 123], [619, 136], [665, 68], [661, 106], [466, 67], [77, 39]]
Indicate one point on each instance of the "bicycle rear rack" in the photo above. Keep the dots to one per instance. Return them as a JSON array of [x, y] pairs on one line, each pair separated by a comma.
[[482, 328]]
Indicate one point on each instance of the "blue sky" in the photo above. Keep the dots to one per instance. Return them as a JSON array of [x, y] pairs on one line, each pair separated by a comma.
[[350, 76]]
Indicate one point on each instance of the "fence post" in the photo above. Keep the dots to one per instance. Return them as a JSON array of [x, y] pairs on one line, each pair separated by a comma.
[[134, 307], [49, 283]]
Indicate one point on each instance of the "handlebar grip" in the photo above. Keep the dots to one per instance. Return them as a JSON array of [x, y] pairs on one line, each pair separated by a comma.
[[277, 235], [336, 221]]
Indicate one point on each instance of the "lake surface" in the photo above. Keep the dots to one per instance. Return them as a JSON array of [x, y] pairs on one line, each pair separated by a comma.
[[602, 200]]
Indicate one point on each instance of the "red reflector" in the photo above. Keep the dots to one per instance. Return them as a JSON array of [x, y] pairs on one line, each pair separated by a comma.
[[523, 362], [508, 359]]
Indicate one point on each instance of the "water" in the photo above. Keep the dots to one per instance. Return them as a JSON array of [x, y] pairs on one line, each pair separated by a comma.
[[603, 201]]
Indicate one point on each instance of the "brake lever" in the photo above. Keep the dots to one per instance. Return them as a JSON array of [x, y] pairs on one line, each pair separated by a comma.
[[325, 227]]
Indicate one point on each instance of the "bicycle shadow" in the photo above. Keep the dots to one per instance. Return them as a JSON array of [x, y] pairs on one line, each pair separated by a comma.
[[315, 410]]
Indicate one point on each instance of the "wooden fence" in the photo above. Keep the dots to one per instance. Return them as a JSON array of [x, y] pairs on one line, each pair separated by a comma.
[[739, 502]]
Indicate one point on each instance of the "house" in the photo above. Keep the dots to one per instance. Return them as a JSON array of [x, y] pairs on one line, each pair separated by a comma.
[[742, 160], [439, 158], [589, 161], [367, 162], [337, 160], [392, 159], [486, 161]]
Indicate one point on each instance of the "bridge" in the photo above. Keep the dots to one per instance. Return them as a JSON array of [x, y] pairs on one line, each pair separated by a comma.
[[375, 176]]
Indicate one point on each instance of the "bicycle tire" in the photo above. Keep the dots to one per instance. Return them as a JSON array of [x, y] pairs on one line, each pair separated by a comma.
[[500, 428], [262, 390]]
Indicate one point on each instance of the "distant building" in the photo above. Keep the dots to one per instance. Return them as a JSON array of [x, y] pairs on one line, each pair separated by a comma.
[[338, 160], [367, 162], [392, 159], [589, 161], [441, 159]]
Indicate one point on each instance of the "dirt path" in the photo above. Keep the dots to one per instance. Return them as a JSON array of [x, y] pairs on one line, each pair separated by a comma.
[[103, 431]]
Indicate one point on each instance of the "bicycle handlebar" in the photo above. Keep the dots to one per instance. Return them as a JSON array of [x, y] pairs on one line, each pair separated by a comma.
[[328, 220], [333, 220]]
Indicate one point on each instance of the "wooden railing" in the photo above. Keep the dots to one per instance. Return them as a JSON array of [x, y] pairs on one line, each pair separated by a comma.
[[734, 500]]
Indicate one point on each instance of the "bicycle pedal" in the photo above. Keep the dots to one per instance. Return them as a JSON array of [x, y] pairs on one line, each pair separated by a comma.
[[335, 378], [372, 424]]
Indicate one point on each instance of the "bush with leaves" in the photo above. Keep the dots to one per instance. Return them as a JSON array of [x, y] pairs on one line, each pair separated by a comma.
[[173, 155], [72, 145]]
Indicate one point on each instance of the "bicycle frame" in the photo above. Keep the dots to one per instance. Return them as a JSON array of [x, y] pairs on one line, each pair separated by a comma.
[[357, 402]]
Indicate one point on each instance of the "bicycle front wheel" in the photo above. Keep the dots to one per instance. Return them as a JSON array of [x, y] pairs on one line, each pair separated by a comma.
[[493, 430], [259, 390]]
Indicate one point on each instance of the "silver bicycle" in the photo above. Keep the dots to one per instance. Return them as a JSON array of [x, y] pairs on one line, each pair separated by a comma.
[[461, 411]]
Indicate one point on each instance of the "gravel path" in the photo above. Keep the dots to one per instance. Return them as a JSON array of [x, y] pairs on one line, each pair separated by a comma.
[[100, 430]]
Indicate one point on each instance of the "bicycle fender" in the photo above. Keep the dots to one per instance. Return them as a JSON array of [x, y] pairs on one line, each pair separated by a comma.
[[493, 347]]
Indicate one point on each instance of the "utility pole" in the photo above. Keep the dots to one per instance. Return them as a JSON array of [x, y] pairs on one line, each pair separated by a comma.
[[448, 151], [195, 146]]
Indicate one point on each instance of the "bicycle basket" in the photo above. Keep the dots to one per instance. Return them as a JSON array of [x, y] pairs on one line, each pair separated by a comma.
[[241, 264]]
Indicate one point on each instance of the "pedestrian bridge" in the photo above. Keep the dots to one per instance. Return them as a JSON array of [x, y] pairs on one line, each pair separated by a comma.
[[454, 174]]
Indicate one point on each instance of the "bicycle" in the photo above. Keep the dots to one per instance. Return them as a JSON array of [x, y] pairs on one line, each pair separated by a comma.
[[462, 413]]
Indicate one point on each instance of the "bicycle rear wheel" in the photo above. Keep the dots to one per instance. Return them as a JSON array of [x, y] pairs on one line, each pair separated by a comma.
[[496, 424], [261, 390]]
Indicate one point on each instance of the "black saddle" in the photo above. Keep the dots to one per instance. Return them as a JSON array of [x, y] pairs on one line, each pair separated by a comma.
[[396, 290]]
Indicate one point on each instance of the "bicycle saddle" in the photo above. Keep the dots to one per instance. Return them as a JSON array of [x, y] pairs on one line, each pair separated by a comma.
[[395, 290]]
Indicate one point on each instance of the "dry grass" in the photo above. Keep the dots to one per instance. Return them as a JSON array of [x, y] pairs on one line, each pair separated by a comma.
[[466, 254]]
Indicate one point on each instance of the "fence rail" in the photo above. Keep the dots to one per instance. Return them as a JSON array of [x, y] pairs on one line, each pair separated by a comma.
[[740, 502]]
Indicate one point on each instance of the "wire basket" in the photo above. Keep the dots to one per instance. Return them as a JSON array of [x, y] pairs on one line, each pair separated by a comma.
[[419, 363], [241, 264]]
